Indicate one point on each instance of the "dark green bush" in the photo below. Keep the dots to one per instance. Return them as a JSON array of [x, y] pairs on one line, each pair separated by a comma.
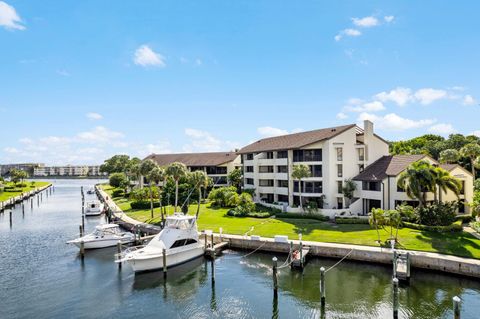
[[319, 217], [340, 220], [118, 179], [118, 193], [454, 227], [143, 204], [235, 213], [438, 214], [466, 218]]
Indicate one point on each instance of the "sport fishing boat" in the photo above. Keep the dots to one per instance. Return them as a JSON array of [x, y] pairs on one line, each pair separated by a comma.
[[104, 236], [94, 208], [179, 239]]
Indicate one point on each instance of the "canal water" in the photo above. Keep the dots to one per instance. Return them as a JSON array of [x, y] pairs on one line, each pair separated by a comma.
[[42, 277]]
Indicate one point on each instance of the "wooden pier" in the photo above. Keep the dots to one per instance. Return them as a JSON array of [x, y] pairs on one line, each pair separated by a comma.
[[299, 256], [402, 266]]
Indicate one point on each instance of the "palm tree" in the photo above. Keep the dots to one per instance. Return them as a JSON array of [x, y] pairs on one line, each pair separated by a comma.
[[445, 182], [472, 151], [449, 156], [176, 171], [300, 172], [146, 168], [417, 179], [348, 188], [393, 218], [376, 218], [199, 180], [158, 175]]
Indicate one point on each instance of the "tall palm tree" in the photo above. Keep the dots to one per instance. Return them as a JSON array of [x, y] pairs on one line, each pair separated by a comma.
[[199, 180], [472, 151], [146, 168], [300, 172], [417, 179], [158, 175], [176, 171], [445, 182]]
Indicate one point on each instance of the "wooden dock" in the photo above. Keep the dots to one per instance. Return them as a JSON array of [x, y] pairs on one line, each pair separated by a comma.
[[216, 249], [402, 266], [299, 257]]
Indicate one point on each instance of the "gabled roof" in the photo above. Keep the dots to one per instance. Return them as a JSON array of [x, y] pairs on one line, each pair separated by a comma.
[[194, 159], [451, 167], [385, 166], [294, 141]]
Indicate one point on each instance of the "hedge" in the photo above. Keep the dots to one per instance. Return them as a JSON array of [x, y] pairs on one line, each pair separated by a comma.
[[340, 220], [143, 205], [455, 227], [233, 213], [319, 217], [465, 218]]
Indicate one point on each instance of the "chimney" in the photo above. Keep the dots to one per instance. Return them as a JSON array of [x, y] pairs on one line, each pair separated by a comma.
[[368, 128]]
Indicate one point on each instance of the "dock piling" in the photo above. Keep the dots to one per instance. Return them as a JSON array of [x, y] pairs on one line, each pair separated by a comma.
[[119, 252], [83, 222], [80, 228], [395, 298], [322, 287], [394, 261], [456, 307], [213, 269], [10, 213], [275, 279], [164, 255], [82, 249]]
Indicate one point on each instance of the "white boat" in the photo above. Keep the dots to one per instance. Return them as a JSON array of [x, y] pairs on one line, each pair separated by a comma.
[[104, 236], [180, 240], [94, 208], [91, 191]]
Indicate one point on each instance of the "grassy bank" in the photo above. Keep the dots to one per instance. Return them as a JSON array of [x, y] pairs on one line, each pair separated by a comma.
[[460, 244], [6, 195]]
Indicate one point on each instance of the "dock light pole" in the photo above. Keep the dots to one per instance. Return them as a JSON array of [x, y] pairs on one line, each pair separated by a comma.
[[275, 279], [396, 304], [456, 307]]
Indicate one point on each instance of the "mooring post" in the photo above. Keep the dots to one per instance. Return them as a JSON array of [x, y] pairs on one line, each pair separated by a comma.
[[290, 256], [10, 218], [164, 255], [221, 232], [322, 287], [301, 255], [275, 279], [83, 222], [119, 253], [82, 249], [38, 200], [211, 240], [80, 228], [394, 263], [213, 269], [396, 303], [23, 208], [31, 203], [206, 239], [456, 307]]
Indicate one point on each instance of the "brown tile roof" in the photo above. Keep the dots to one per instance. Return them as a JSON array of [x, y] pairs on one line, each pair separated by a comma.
[[194, 159], [294, 141], [448, 167], [391, 165]]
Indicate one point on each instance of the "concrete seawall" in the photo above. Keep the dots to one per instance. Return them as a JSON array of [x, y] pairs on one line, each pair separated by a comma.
[[19, 198]]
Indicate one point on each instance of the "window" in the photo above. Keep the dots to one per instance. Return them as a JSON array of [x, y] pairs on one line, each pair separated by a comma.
[[249, 169], [339, 170], [249, 181], [371, 186], [190, 241], [308, 187], [361, 167], [266, 182], [462, 190], [219, 180], [339, 187], [282, 169], [314, 155], [339, 202], [400, 190], [265, 169], [316, 170], [282, 154], [250, 157], [282, 183], [283, 198], [361, 154], [216, 170], [178, 243], [339, 154], [268, 198], [269, 155]]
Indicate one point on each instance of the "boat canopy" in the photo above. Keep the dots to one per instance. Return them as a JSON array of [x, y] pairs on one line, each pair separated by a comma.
[[180, 221]]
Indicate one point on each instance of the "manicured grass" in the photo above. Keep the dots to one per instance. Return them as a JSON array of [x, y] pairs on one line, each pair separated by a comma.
[[460, 244], [7, 195]]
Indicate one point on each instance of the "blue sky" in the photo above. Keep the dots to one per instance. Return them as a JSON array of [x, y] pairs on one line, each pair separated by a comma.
[[82, 80]]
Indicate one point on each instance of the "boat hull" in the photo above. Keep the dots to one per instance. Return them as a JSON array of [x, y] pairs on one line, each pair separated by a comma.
[[100, 243], [173, 259]]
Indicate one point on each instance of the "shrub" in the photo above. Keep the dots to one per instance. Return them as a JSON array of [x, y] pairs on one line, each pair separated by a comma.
[[224, 197], [406, 212], [475, 226], [118, 193], [354, 220], [271, 210], [317, 216], [143, 204], [438, 214], [466, 218], [235, 213], [118, 180], [454, 227]]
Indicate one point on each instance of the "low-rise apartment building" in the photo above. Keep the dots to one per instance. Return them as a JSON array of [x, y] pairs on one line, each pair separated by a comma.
[[27, 167], [68, 170], [216, 165], [377, 185], [333, 155]]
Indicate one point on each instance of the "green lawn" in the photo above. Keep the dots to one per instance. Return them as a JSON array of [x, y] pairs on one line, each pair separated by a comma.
[[459, 244], [7, 195]]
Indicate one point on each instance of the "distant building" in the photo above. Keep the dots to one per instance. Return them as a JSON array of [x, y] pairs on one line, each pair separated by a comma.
[[27, 167], [216, 165], [68, 170]]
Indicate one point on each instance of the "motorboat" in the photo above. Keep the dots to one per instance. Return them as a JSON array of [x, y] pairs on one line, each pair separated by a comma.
[[94, 208], [106, 235], [179, 239], [91, 191]]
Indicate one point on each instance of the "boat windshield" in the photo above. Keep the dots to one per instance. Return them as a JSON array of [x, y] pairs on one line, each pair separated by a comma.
[[180, 223], [107, 231]]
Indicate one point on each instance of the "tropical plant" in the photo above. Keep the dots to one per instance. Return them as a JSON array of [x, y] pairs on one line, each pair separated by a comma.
[[449, 156], [245, 206], [17, 175], [471, 151], [349, 187], [475, 204], [157, 175], [443, 182], [224, 196], [417, 179], [476, 185], [300, 172], [235, 178], [199, 180], [115, 164], [117, 179], [393, 219], [407, 212], [176, 171], [376, 218], [437, 214], [146, 168]]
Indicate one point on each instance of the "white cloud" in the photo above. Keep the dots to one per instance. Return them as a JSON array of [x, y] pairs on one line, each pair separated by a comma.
[[373, 106], [94, 116], [268, 131], [366, 22], [145, 56], [394, 122], [476, 133], [99, 134], [338, 37], [389, 19], [348, 32], [9, 18], [428, 95], [469, 100], [54, 140], [342, 116], [63, 72], [399, 95], [202, 141], [12, 150], [442, 129], [198, 62]]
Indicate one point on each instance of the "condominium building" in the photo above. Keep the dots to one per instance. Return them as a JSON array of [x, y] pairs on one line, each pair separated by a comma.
[[27, 167], [216, 165], [68, 170], [377, 185], [333, 155]]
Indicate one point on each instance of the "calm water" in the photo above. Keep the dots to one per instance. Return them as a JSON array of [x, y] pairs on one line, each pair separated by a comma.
[[42, 277]]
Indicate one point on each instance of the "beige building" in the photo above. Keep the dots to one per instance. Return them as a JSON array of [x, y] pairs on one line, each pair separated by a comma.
[[377, 185], [333, 155], [216, 165], [68, 170]]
